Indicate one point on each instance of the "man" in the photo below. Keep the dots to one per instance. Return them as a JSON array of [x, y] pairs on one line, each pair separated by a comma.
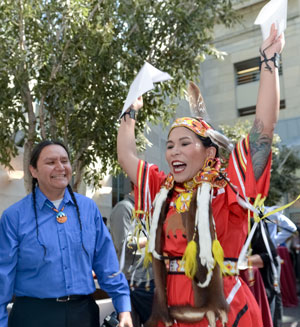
[[280, 227], [277, 229], [140, 280], [50, 241]]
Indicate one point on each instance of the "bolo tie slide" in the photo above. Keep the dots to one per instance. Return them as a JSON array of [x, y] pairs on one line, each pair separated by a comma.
[[60, 216]]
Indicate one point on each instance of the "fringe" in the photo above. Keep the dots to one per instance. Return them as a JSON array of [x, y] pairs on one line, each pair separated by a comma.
[[158, 202]]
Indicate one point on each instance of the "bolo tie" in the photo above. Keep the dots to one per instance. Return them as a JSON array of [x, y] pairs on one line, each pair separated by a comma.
[[60, 215]]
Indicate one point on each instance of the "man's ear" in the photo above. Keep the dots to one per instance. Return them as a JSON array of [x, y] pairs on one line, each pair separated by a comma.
[[32, 171], [211, 152]]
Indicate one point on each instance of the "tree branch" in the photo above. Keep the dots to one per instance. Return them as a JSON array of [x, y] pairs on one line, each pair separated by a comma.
[[27, 101], [77, 166], [95, 9], [55, 70]]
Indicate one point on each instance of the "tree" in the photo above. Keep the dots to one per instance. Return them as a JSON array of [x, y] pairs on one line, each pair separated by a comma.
[[66, 67], [285, 162], [284, 178]]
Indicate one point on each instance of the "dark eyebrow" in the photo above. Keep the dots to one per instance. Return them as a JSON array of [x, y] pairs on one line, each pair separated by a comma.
[[49, 158], [184, 137], [181, 139], [54, 158]]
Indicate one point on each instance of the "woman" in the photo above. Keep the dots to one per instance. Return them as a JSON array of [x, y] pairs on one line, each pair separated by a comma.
[[187, 297], [50, 241]]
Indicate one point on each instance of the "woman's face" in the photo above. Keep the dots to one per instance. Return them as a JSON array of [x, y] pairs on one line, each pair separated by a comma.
[[53, 171], [186, 154]]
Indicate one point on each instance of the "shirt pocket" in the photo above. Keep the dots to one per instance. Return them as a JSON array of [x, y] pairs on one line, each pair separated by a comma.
[[75, 236], [83, 240]]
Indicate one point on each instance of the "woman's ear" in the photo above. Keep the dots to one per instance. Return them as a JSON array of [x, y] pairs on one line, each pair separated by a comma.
[[211, 152]]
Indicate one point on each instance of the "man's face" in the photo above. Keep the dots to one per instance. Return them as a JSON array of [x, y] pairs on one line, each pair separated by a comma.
[[53, 171]]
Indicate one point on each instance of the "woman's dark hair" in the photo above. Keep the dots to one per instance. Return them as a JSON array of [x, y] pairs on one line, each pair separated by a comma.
[[207, 142], [35, 154]]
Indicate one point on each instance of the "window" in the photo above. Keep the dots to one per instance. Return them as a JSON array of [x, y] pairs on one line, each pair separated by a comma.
[[120, 187], [247, 71], [251, 110]]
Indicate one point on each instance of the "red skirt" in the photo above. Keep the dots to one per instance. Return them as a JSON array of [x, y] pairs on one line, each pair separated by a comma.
[[244, 310]]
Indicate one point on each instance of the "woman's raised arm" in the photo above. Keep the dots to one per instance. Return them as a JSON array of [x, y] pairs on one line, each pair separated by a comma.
[[126, 146], [268, 102]]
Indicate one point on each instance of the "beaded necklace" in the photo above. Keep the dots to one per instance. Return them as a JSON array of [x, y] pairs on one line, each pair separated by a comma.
[[60, 216], [209, 174]]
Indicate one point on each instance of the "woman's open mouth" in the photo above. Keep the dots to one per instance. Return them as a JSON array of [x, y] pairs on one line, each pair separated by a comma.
[[178, 166]]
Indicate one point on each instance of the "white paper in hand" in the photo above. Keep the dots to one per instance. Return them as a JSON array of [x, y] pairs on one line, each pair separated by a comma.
[[275, 11], [144, 82]]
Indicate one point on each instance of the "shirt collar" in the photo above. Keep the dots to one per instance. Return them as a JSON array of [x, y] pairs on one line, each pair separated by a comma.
[[41, 198], [129, 197]]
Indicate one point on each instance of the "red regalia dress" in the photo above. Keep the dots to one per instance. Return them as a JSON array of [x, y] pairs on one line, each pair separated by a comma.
[[231, 228]]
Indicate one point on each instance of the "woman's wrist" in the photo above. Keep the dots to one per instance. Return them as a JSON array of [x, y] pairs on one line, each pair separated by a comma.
[[129, 113], [268, 60]]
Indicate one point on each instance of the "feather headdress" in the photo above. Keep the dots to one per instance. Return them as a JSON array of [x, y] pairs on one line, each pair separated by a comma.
[[196, 102], [199, 124]]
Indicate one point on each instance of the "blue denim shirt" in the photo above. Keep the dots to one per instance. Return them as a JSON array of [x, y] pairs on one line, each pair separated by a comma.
[[64, 268]]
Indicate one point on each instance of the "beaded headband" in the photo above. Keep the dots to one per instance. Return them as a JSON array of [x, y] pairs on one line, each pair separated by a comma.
[[202, 128], [197, 126]]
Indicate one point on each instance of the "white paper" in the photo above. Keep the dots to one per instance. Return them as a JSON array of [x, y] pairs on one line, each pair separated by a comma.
[[144, 82], [275, 11]]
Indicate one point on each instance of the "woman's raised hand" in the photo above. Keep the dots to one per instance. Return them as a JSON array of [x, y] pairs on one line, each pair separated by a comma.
[[137, 104], [273, 43]]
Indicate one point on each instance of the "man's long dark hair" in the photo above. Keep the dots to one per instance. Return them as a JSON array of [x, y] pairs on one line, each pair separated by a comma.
[[35, 154]]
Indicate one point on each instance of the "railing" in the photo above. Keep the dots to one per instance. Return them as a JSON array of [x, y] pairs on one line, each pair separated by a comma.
[[248, 77]]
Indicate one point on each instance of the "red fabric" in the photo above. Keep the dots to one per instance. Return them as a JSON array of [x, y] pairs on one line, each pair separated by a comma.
[[259, 292], [148, 176], [244, 178], [288, 286], [232, 228], [180, 292]]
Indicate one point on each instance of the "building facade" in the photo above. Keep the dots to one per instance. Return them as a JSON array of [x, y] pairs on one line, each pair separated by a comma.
[[230, 86]]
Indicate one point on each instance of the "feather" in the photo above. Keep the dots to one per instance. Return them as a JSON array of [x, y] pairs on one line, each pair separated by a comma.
[[148, 257], [190, 259], [219, 256], [219, 139], [198, 109], [158, 202], [196, 101]]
